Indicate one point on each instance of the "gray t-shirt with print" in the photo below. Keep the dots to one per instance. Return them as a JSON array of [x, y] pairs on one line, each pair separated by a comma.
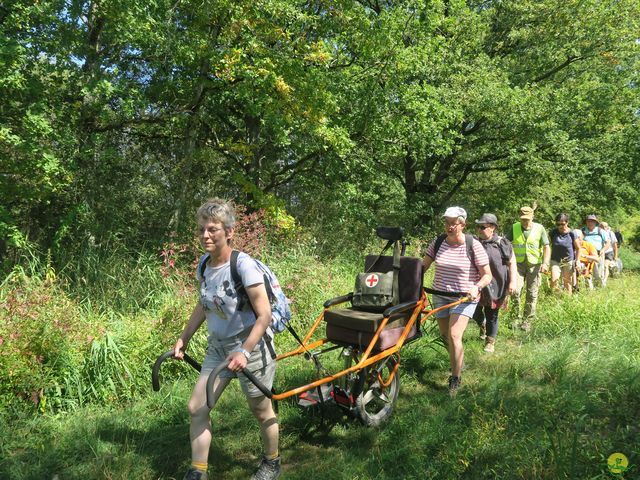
[[219, 298]]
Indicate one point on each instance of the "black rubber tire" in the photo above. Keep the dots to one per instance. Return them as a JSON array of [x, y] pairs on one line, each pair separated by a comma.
[[374, 403]]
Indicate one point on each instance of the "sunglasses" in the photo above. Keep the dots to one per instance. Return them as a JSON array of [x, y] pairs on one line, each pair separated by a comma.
[[482, 227], [560, 224]]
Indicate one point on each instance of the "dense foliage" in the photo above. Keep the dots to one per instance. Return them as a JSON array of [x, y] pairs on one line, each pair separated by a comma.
[[118, 118]]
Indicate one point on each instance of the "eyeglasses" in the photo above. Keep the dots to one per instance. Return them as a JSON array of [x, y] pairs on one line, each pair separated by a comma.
[[450, 225], [482, 227], [561, 224], [210, 231]]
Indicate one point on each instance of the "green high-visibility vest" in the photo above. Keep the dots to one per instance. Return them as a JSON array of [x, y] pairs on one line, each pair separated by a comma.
[[529, 248]]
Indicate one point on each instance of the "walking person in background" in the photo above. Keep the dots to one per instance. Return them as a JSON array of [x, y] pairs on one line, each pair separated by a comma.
[[587, 258], [619, 238], [502, 263], [531, 247], [593, 234], [564, 253], [610, 254], [458, 269], [235, 335]]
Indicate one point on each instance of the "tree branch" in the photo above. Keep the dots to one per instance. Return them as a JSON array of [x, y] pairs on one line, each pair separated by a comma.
[[570, 59]]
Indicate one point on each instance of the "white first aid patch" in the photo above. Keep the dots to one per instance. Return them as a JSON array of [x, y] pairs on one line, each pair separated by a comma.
[[372, 280]]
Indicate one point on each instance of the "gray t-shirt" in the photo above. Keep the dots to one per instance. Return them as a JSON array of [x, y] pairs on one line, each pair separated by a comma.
[[219, 298]]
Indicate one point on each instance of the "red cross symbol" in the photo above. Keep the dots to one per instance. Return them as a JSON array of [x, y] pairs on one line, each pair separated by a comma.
[[372, 280]]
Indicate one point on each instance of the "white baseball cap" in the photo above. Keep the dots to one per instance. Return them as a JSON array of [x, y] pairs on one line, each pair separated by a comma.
[[455, 212]]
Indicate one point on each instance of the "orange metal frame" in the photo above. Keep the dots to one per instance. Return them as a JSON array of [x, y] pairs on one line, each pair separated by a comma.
[[366, 359]]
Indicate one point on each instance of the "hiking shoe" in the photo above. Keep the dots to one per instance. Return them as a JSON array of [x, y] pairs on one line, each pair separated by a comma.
[[489, 345], [483, 330], [268, 469], [454, 385], [195, 474]]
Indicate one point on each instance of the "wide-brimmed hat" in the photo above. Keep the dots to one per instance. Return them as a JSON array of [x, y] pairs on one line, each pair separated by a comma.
[[488, 218], [592, 217], [526, 213], [455, 212]]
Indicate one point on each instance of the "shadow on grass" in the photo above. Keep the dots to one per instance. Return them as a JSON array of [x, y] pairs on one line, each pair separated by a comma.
[[555, 415]]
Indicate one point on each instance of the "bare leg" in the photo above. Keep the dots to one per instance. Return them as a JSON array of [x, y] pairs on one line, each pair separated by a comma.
[[555, 276], [567, 277], [262, 409], [457, 325], [200, 429]]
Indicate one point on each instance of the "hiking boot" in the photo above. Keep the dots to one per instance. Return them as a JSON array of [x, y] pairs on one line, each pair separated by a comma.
[[454, 385], [195, 474], [483, 330], [268, 469], [489, 345]]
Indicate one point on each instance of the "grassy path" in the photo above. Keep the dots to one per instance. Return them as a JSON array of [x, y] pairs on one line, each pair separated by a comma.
[[551, 404]]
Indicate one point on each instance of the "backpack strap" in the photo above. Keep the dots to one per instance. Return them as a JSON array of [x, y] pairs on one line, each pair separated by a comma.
[[238, 286], [235, 276], [439, 239], [468, 240], [203, 265], [502, 247]]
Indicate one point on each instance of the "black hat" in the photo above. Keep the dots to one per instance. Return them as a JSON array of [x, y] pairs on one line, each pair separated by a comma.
[[488, 218]]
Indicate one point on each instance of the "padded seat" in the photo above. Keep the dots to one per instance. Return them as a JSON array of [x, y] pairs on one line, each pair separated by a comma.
[[351, 326], [362, 321]]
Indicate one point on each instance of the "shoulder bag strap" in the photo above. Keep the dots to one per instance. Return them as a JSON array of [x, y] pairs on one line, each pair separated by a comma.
[[386, 247], [396, 270]]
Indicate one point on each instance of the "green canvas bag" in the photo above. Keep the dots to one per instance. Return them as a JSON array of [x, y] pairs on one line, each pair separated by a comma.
[[377, 291]]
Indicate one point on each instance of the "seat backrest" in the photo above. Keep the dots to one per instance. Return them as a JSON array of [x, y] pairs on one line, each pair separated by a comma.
[[409, 279]]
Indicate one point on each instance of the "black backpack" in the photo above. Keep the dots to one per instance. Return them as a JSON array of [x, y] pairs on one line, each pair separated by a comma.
[[468, 240]]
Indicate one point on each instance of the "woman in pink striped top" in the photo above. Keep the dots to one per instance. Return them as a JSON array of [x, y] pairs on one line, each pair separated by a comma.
[[457, 273]]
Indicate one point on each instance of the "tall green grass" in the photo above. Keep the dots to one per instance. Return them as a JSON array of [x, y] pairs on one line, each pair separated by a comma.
[[550, 404], [88, 333]]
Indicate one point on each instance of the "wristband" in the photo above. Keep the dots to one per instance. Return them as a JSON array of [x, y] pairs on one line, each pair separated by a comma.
[[243, 351]]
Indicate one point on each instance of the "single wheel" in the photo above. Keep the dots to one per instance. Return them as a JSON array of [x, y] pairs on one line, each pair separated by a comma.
[[375, 401]]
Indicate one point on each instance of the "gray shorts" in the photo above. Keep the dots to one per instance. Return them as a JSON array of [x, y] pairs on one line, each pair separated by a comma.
[[467, 308], [260, 364]]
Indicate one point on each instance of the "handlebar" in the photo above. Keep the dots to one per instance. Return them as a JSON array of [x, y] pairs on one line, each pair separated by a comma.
[[214, 374], [155, 372], [155, 375], [337, 300]]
